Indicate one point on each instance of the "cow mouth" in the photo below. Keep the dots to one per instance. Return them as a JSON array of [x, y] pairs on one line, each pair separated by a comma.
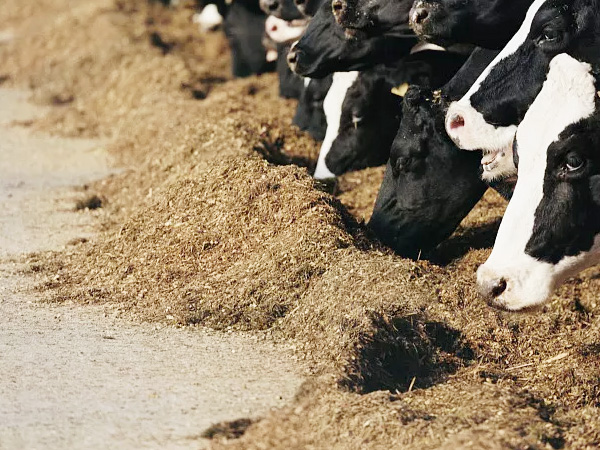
[[489, 162]]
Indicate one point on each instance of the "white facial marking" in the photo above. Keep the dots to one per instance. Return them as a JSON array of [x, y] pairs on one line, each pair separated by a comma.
[[476, 133], [332, 105], [209, 18], [568, 95], [282, 31]]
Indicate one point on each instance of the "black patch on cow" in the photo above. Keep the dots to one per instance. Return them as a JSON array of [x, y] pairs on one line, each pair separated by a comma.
[[568, 217]]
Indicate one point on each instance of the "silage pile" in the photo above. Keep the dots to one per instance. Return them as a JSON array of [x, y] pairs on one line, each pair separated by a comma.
[[201, 229]]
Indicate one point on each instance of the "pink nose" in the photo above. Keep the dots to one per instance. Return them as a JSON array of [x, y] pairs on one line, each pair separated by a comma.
[[457, 121]]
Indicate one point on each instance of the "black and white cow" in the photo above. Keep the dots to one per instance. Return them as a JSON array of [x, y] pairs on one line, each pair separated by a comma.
[[429, 185], [551, 229], [361, 134], [485, 23], [487, 116], [310, 115], [325, 49], [244, 27]]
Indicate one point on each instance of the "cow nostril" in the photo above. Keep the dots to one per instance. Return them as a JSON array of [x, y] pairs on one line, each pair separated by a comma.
[[299, 2], [420, 16], [292, 57], [273, 6], [457, 121], [337, 6], [498, 287]]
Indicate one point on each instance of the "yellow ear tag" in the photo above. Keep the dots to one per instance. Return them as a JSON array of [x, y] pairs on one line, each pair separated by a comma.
[[401, 90]]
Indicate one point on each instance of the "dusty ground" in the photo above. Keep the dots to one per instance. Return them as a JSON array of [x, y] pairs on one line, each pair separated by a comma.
[[210, 224], [82, 378]]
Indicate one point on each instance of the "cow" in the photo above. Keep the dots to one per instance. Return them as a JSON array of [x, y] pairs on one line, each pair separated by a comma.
[[371, 110], [486, 117], [325, 49], [244, 27], [551, 228], [484, 23], [310, 115], [429, 185]]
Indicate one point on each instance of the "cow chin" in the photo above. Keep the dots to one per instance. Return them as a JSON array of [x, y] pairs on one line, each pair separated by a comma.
[[525, 285], [502, 168]]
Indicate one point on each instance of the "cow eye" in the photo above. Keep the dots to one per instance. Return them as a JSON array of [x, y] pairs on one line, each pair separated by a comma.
[[550, 35], [574, 162]]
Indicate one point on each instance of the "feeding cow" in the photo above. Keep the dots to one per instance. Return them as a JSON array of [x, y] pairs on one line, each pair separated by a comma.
[[551, 229], [371, 108], [429, 185], [485, 23], [325, 49], [487, 116]]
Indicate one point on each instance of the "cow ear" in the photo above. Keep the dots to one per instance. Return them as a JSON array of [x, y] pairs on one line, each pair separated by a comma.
[[595, 188]]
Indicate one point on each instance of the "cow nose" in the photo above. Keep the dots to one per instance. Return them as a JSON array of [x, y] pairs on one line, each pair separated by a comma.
[[456, 121], [419, 16], [270, 5], [292, 58], [338, 7], [492, 288]]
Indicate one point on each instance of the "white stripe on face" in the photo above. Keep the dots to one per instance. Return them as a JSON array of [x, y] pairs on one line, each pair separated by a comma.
[[568, 95], [513, 45], [332, 105], [477, 134]]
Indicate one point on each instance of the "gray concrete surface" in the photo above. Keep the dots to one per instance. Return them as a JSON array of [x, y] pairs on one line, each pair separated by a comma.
[[78, 377]]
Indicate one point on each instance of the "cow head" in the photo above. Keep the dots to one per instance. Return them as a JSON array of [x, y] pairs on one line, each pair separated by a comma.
[[487, 116], [429, 186], [324, 48], [551, 229], [487, 23]]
